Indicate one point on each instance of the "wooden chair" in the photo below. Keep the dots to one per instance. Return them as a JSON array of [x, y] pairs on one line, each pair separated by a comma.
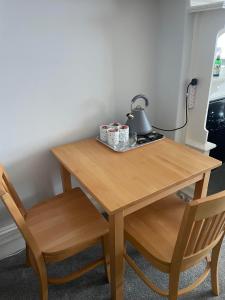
[[175, 236], [55, 230]]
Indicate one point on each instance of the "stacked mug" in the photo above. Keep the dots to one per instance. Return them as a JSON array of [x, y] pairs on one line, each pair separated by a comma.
[[115, 134]]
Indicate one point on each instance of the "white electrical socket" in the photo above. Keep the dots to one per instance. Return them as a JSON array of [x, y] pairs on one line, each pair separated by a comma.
[[192, 96]]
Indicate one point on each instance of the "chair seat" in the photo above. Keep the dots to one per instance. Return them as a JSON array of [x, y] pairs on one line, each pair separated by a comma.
[[153, 230], [67, 221]]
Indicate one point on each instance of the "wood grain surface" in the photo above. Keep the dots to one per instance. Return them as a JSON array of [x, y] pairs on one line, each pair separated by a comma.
[[120, 180]]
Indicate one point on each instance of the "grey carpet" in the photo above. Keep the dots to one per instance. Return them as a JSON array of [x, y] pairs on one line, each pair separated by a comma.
[[20, 283]]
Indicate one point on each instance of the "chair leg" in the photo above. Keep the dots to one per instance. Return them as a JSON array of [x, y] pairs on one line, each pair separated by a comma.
[[105, 247], [214, 268], [43, 289], [173, 285], [40, 267], [28, 264]]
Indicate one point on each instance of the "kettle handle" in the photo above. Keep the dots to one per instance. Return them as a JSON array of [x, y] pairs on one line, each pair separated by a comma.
[[139, 97]]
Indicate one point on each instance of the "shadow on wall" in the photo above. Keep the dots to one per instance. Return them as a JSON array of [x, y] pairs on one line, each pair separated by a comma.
[[62, 79], [37, 175]]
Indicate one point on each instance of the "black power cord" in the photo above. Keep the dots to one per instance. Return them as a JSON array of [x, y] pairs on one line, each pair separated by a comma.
[[193, 82]]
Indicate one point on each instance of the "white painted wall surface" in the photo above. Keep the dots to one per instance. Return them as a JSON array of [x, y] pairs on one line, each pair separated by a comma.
[[170, 64], [56, 83], [135, 54], [66, 67]]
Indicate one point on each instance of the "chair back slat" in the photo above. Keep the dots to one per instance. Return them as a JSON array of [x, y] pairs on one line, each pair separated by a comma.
[[213, 226], [2, 185], [216, 228], [220, 226], [196, 230], [6, 186], [201, 241], [203, 225]]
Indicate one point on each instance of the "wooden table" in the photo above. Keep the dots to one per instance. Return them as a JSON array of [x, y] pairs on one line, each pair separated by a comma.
[[125, 182]]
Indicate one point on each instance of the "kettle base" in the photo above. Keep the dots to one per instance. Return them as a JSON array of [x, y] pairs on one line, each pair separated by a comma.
[[149, 137]]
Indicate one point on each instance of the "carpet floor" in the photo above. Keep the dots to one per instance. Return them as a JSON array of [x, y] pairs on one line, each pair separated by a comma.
[[20, 283]]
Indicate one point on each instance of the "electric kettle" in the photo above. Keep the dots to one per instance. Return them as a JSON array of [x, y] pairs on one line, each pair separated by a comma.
[[137, 119]]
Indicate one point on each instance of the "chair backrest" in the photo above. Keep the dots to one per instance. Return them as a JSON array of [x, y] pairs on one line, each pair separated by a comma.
[[15, 207], [202, 228], [8, 187]]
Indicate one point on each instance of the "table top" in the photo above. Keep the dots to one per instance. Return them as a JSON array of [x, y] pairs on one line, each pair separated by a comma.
[[119, 180]]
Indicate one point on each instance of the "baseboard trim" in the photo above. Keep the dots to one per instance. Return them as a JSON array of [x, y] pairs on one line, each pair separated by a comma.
[[11, 241]]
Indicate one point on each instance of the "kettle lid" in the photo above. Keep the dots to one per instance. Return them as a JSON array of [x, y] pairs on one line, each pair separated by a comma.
[[138, 108]]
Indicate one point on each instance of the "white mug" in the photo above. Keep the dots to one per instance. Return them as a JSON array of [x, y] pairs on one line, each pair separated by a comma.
[[113, 136], [124, 134], [115, 124], [103, 132]]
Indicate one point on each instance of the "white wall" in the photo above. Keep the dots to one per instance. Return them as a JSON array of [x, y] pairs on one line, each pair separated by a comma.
[[67, 66], [135, 54], [170, 84], [56, 83]]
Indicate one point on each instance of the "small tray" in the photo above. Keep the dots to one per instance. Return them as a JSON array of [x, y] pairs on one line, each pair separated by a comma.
[[132, 144]]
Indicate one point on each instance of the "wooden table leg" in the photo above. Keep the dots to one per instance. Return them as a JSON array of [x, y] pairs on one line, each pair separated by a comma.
[[116, 236], [201, 187], [66, 179]]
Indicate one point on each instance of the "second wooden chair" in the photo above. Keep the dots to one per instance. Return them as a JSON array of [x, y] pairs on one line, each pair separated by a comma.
[[56, 229], [175, 236]]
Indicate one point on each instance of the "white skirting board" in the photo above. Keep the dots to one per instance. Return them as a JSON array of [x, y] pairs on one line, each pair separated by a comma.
[[11, 241]]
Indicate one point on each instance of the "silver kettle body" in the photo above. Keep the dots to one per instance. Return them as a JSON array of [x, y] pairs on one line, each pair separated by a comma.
[[137, 119]]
